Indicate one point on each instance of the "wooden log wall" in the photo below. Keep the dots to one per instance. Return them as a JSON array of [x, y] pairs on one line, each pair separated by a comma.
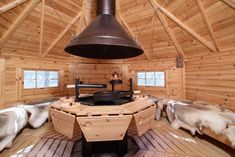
[[13, 84], [174, 78], [211, 78]]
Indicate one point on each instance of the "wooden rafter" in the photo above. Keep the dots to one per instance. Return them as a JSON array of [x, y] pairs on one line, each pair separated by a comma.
[[82, 19], [123, 22], [157, 7], [209, 27], [231, 3], [18, 22], [61, 34], [41, 26], [11, 5], [170, 33]]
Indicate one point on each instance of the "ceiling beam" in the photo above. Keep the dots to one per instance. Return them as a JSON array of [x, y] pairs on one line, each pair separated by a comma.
[[61, 34], [41, 26], [209, 27], [231, 3], [124, 23], [157, 7], [170, 34], [82, 19], [20, 19], [11, 5]]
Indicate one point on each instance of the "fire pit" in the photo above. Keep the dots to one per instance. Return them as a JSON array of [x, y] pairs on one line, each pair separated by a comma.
[[103, 118], [109, 123]]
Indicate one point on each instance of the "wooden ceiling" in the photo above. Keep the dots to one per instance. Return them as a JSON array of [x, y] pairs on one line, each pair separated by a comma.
[[164, 28]]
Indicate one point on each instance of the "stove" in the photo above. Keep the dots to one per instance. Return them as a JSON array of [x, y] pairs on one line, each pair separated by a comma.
[[104, 97]]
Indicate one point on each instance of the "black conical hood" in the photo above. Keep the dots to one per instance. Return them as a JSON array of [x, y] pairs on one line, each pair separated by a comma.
[[104, 38]]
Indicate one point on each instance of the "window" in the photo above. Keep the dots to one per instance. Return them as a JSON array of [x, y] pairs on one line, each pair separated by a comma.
[[151, 78], [40, 79]]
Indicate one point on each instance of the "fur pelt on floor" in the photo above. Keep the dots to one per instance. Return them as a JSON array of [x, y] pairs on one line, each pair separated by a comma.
[[14, 119], [194, 116]]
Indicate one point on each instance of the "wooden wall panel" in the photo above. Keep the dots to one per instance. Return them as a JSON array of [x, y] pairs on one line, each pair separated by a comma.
[[211, 78], [173, 77], [90, 74], [14, 91]]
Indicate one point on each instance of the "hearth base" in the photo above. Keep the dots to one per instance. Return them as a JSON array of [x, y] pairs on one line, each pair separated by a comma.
[[119, 147]]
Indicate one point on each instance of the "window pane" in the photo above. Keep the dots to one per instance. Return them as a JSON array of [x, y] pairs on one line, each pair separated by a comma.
[[53, 75], [29, 84], [42, 83], [160, 79], [29, 79], [150, 75], [29, 75], [149, 82], [42, 75], [53, 83], [141, 82], [141, 75], [42, 79]]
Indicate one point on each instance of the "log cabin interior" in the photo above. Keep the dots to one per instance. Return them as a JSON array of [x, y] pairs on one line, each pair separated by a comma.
[[143, 78]]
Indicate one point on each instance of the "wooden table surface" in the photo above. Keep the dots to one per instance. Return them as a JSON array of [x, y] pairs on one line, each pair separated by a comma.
[[78, 109]]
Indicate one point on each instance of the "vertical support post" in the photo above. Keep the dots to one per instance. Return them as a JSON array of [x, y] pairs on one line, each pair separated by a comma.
[[2, 83], [112, 86], [76, 90], [131, 89]]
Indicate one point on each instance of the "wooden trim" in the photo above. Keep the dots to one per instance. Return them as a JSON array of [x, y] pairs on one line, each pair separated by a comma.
[[231, 3], [61, 34], [19, 83], [11, 6], [157, 7], [170, 34], [18, 22], [41, 26], [209, 27], [2, 83]]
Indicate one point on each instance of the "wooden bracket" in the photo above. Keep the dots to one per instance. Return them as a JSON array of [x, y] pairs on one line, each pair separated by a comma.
[[61, 35], [231, 3], [6, 36], [11, 5], [209, 27], [157, 7], [170, 34]]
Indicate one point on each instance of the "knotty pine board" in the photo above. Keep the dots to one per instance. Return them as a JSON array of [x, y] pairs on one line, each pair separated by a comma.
[[211, 78]]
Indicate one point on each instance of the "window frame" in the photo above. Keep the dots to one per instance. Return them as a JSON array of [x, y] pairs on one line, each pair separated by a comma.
[[36, 70], [153, 86]]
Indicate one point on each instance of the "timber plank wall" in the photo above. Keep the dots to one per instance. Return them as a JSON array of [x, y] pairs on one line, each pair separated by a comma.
[[174, 78], [211, 78], [12, 80], [12, 84]]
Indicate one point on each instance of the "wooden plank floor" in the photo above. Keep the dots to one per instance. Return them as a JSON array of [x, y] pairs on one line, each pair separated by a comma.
[[162, 141]]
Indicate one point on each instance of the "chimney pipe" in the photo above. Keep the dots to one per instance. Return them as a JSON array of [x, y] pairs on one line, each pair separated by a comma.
[[106, 7]]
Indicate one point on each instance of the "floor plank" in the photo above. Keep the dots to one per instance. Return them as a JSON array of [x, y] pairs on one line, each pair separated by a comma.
[[161, 141]]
